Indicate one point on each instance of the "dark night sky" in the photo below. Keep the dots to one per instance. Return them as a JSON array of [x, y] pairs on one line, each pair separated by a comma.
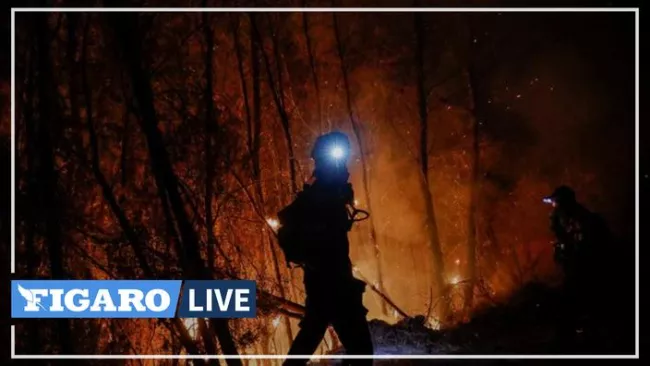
[[591, 58]]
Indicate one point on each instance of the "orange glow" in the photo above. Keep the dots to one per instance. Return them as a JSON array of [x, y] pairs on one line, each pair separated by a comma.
[[192, 326]]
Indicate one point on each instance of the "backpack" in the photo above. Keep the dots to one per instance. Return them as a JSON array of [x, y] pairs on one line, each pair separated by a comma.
[[300, 224], [292, 236]]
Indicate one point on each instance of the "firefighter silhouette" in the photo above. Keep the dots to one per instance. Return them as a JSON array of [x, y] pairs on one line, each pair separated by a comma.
[[581, 235], [313, 233], [582, 238]]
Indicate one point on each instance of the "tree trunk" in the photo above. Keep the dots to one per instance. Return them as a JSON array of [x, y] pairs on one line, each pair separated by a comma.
[[430, 213], [124, 149], [364, 165], [47, 174], [278, 278], [254, 138], [253, 117], [312, 65], [257, 114], [194, 266], [32, 257], [107, 192], [210, 120], [476, 109], [234, 28], [472, 231], [278, 98], [31, 254], [208, 340]]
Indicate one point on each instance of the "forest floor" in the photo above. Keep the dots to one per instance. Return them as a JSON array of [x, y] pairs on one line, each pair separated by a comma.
[[528, 324]]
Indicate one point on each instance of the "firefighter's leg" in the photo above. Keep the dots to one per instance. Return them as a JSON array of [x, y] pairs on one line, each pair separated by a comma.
[[312, 330], [349, 322], [354, 334], [569, 313], [352, 327]]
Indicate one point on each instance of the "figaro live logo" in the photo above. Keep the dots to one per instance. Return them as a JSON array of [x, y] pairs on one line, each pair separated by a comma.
[[133, 299]]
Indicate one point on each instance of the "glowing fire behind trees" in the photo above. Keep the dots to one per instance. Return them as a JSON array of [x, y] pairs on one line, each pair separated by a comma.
[[230, 158]]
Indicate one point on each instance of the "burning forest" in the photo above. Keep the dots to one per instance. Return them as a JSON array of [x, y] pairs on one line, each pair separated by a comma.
[[162, 145]]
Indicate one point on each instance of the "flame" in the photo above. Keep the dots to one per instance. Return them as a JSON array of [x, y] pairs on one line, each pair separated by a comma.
[[273, 223], [276, 321], [455, 280], [433, 323], [192, 325]]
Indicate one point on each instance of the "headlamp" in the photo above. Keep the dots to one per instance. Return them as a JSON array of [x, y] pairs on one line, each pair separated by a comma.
[[337, 152]]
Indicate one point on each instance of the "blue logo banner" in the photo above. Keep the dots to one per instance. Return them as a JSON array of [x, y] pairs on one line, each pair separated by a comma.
[[218, 299], [94, 298]]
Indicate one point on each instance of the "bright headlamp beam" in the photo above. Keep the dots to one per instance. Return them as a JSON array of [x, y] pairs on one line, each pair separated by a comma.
[[337, 152]]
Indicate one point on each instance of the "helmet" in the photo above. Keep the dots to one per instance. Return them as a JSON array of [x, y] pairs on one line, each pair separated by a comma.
[[563, 195], [333, 147]]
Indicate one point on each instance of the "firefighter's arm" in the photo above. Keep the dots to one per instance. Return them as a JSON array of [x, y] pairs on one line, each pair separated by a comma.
[[347, 194], [558, 229]]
